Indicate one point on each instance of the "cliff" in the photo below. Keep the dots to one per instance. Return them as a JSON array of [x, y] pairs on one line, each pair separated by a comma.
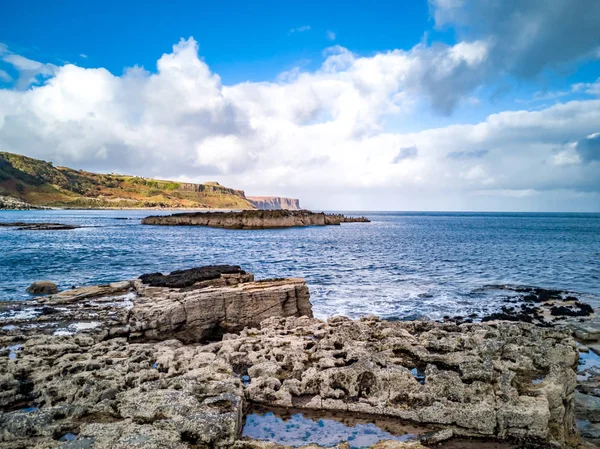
[[274, 202], [40, 183], [250, 219]]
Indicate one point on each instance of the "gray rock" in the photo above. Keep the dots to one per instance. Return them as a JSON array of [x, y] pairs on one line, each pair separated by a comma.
[[42, 288]]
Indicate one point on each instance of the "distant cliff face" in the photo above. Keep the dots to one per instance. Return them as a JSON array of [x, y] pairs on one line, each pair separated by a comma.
[[274, 202]]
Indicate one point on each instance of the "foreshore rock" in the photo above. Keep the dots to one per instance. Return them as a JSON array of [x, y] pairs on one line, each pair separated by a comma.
[[10, 203], [251, 219], [42, 288], [32, 226], [174, 361]]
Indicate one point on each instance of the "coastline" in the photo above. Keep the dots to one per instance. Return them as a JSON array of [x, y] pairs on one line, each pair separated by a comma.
[[218, 329]]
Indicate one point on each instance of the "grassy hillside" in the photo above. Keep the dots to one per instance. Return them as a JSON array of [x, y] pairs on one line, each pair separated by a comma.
[[41, 183]]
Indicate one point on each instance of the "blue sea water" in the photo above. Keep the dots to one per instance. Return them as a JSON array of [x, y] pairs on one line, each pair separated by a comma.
[[401, 265]]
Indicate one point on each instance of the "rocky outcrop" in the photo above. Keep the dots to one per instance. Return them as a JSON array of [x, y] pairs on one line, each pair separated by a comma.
[[10, 203], [497, 380], [42, 288], [274, 202], [174, 361], [32, 226], [249, 219]]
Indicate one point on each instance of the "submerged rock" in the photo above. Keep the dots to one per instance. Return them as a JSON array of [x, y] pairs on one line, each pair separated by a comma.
[[251, 219], [25, 226]]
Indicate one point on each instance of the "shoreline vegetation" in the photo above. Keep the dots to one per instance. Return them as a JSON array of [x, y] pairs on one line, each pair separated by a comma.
[[180, 359], [28, 183]]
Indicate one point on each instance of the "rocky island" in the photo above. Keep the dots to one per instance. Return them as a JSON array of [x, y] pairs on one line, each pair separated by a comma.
[[252, 219], [180, 361]]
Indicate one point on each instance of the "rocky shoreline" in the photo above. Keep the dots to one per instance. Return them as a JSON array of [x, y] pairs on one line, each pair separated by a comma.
[[252, 219], [10, 203], [179, 360]]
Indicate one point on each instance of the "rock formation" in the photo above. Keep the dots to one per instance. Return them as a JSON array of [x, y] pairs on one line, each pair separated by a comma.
[[42, 288], [274, 202], [251, 219], [32, 226], [10, 203], [173, 361]]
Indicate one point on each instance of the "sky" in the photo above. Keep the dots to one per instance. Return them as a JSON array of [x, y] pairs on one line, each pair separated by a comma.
[[474, 105]]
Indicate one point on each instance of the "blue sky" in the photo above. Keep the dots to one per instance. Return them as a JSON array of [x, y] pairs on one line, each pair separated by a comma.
[[239, 40], [274, 96]]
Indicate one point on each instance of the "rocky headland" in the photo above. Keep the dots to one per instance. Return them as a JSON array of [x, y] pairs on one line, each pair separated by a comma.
[[252, 219], [179, 360]]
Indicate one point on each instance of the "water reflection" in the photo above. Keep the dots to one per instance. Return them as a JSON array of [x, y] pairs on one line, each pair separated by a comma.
[[299, 430]]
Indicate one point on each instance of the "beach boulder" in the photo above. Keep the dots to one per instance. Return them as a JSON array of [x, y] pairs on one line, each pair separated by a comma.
[[42, 288]]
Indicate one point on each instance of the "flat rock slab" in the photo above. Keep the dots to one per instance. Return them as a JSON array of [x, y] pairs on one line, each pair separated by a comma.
[[499, 379], [24, 226], [251, 219]]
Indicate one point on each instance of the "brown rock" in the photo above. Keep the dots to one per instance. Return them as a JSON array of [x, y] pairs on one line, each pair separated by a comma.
[[42, 288]]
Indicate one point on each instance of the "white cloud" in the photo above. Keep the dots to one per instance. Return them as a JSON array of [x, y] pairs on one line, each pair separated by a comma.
[[330, 35], [300, 29], [83, 55], [588, 88], [5, 77], [315, 135], [30, 71]]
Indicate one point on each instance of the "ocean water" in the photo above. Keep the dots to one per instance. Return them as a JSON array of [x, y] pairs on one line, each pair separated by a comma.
[[401, 265]]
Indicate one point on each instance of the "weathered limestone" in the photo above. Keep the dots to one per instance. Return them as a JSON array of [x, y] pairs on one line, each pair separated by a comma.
[[204, 304], [503, 380], [199, 314], [251, 219], [131, 364]]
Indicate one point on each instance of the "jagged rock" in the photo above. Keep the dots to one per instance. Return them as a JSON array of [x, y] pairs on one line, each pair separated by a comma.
[[42, 288], [250, 219]]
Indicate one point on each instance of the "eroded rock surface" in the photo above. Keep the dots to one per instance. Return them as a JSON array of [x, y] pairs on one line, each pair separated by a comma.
[[191, 305], [131, 364], [251, 219]]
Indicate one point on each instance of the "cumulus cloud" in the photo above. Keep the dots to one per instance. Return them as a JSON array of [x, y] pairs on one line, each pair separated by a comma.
[[330, 35], [588, 88], [525, 37], [316, 135]]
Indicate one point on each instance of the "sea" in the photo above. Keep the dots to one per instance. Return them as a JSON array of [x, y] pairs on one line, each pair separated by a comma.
[[402, 265]]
